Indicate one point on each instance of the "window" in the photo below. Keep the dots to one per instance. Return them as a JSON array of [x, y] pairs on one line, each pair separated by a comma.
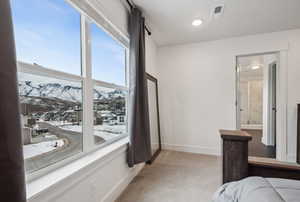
[[48, 38], [108, 57], [62, 108], [50, 110], [48, 34], [110, 92]]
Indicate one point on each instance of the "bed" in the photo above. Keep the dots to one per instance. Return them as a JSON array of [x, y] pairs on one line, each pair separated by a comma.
[[259, 189], [249, 179]]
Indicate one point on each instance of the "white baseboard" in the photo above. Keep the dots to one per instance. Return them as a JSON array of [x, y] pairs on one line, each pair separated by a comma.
[[265, 142], [291, 158], [193, 149], [122, 184]]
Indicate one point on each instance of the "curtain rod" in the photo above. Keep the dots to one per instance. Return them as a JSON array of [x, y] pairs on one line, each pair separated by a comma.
[[131, 7]]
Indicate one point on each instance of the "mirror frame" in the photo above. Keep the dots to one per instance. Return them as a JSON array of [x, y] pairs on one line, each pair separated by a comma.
[[298, 134], [153, 79]]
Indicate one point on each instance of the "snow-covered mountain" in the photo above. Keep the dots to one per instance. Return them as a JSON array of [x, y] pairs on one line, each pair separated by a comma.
[[51, 99], [35, 86], [50, 90]]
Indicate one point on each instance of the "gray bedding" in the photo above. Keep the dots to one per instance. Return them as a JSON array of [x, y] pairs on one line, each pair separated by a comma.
[[258, 189]]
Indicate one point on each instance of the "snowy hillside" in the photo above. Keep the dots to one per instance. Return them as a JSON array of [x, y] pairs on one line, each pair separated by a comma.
[[38, 86]]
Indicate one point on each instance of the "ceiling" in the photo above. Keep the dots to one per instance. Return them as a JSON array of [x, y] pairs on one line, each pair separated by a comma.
[[170, 20]]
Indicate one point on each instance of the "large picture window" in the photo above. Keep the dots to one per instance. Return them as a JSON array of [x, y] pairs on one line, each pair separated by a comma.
[[50, 107], [59, 110], [110, 92]]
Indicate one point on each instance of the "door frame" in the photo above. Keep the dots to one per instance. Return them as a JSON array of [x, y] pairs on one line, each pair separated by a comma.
[[273, 115], [281, 100]]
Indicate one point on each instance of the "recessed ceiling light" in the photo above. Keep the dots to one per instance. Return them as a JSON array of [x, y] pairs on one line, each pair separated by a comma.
[[197, 22], [255, 67]]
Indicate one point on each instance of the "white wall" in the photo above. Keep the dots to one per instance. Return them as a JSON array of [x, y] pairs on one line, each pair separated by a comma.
[[151, 56], [105, 179], [293, 92], [102, 180], [197, 91]]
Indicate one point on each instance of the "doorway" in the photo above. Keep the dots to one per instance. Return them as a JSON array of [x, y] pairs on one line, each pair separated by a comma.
[[256, 101]]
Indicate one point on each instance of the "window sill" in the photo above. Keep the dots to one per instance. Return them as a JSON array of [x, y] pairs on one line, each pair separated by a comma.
[[43, 183]]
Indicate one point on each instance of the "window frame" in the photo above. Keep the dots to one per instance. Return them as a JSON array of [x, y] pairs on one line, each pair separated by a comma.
[[88, 21], [87, 81]]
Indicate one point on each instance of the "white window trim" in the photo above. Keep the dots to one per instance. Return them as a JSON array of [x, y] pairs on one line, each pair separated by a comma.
[[88, 113], [46, 72], [87, 86], [89, 8], [109, 85]]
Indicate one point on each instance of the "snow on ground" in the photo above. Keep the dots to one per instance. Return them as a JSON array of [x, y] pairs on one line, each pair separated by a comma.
[[32, 150], [74, 128], [57, 123], [106, 132]]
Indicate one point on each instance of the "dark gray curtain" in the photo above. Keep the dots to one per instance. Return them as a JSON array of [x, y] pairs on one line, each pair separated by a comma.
[[12, 181], [139, 147]]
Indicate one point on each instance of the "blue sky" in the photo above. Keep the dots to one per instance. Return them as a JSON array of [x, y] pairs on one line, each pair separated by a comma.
[[47, 32]]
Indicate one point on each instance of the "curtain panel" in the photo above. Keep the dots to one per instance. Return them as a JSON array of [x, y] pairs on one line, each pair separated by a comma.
[[139, 130], [12, 176]]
